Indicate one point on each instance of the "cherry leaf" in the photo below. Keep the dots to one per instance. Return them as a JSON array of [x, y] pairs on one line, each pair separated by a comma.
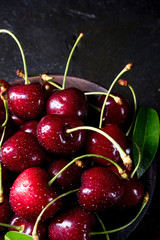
[[12, 235], [146, 134]]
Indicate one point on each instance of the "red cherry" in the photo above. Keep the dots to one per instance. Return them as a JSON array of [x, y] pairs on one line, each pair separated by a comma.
[[100, 189], [115, 113], [133, 193], [5, 211], [68, 102], [22, 151], [74, 224], [98, 144], [27, 101], [70, 178], [30, 127], [51, 133], [28, 227], [30, 193]]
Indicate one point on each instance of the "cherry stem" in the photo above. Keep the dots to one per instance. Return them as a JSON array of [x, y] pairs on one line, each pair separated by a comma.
[[1, 187], [47, 78], [139, 159], [125, 158], [145, 201], [69, 59], [103, 226], [116, 99], [18, 228], [120, 170], [5, 102], [34, 232], [135, 109], [2, 137], [127, 68], [21, 50]]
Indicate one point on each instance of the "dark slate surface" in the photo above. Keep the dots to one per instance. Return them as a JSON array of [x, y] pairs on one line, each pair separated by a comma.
[[115, 33]]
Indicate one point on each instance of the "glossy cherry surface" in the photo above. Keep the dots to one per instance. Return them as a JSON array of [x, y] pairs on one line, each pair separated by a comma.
[[100, 189], [27, 101], [74, 224], [51, 133], [30, 193]]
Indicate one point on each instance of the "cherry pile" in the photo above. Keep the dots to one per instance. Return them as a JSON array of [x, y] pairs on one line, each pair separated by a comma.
[[60, 171]]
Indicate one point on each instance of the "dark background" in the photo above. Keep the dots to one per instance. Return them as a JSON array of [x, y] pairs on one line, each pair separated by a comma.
[[115, 33]]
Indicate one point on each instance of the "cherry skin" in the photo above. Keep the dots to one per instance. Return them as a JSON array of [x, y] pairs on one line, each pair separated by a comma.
[[27, 102], [68, 102], [74, 224], [133, 193], [28, 227], [100, 189], [51, 133], [17, 121], [98, 144], [22, 151], [30, 193], [30, 127], [70, 178], [115, 113]]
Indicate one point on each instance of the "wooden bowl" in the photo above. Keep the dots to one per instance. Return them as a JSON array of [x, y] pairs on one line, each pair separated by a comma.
[[150, 175]]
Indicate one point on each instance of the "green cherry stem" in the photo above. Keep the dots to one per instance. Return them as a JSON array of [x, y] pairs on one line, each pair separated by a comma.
[[2, 137], [139, 159], [47, 78], [18, 228], [103, 226], [127, 68], [116, 99], [125, 158], [1, 187], [21, 50], [120, 170], [145, 201], [5, 102], [125, 83], [69, 59], [34, 232]]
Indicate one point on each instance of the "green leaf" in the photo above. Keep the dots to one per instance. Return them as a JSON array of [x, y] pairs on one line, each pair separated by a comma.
[[146, 134], [12, 235]]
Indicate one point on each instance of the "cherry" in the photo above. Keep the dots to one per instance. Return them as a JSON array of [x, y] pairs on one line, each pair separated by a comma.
[[70, 178], [27, 102], [30, 193], [100, 189], [97, 144], [133, 193], [115, 113], [68, 102], [51, 133], [30, 127], [28, 227], [74, 224], [22, 151], [17, 121]]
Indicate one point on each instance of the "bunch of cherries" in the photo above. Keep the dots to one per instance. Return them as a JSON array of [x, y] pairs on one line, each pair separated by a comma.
[[59, 171]]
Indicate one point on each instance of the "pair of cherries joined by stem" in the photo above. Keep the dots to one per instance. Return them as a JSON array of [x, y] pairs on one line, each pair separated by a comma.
[[54, 125]]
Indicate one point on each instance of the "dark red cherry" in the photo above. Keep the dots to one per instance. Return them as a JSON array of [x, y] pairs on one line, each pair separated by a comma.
[[98, 144], [75, 224], [30, 127], [115, 113], [27, 101], [50, 89], [17, 121], [100, 189], [30, 193], [28, 227], [68, 102], [70, 178], [51, 133], [133, 193], [22, 151]]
